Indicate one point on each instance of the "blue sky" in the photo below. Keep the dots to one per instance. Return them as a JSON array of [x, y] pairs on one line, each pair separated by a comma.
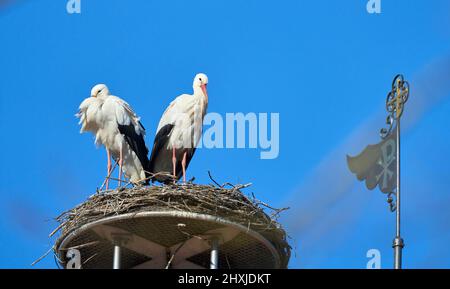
[[324, 66]]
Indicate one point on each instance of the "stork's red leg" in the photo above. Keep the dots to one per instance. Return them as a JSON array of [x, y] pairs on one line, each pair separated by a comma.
[[120, 166], [174, 164], [109, 168], [183, 165]]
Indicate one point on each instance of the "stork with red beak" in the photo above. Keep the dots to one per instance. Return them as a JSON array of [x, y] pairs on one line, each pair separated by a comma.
[[179, 132]]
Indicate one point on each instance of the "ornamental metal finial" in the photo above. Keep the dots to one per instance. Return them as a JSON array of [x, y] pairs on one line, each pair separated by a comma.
[[379, 164], [395, 101]]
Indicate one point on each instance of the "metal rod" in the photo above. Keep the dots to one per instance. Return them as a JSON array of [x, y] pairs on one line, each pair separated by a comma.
[[116, 261], [398, 241], [214, 253]]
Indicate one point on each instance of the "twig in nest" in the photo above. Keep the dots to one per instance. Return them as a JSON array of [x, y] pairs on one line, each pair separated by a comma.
[[82, 245], [174, 253], [90, 258], [109, 175], [42, 257], [179, 247], [212, 179]]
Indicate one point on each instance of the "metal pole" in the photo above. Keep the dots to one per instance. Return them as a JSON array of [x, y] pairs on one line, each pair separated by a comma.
[[116, 261], [214, 253], [398, 241]]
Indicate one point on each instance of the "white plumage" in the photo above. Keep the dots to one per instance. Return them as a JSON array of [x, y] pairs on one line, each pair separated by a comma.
[[179, 131], [117, 127]]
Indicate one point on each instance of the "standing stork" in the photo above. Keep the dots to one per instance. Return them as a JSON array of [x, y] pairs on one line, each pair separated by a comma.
[[117, 127], [179, 132]]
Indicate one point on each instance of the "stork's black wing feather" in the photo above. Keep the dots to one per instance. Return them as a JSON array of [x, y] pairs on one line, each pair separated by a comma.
[[136, 142], [161, 157], [159, 144]]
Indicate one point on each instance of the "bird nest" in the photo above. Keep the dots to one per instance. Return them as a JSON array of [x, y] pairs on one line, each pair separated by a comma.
[[224, 201]]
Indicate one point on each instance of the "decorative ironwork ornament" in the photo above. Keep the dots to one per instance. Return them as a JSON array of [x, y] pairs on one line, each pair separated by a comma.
[[379, 164]]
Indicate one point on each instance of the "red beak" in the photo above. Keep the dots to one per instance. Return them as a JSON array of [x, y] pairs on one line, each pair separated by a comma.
[[203, 86]]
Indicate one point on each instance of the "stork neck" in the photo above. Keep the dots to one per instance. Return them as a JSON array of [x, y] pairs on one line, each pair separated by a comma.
[[198, 92]]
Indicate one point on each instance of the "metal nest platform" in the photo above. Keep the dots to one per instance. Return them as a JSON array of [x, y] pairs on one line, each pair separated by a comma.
[[185, 226]]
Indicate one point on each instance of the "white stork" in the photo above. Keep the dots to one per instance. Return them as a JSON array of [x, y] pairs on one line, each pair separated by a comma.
[[118, 128], [179, 132]]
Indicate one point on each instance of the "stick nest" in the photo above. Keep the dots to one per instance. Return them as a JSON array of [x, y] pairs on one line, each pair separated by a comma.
[[226, 201]]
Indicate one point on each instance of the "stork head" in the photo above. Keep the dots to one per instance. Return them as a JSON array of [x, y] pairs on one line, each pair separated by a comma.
[[100, 90], [200, 82]]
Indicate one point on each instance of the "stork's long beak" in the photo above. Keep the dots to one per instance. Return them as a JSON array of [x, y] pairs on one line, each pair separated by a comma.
[[203, 86]]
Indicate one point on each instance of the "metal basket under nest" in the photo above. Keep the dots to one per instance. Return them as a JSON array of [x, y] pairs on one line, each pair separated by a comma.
[[172, 226]]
